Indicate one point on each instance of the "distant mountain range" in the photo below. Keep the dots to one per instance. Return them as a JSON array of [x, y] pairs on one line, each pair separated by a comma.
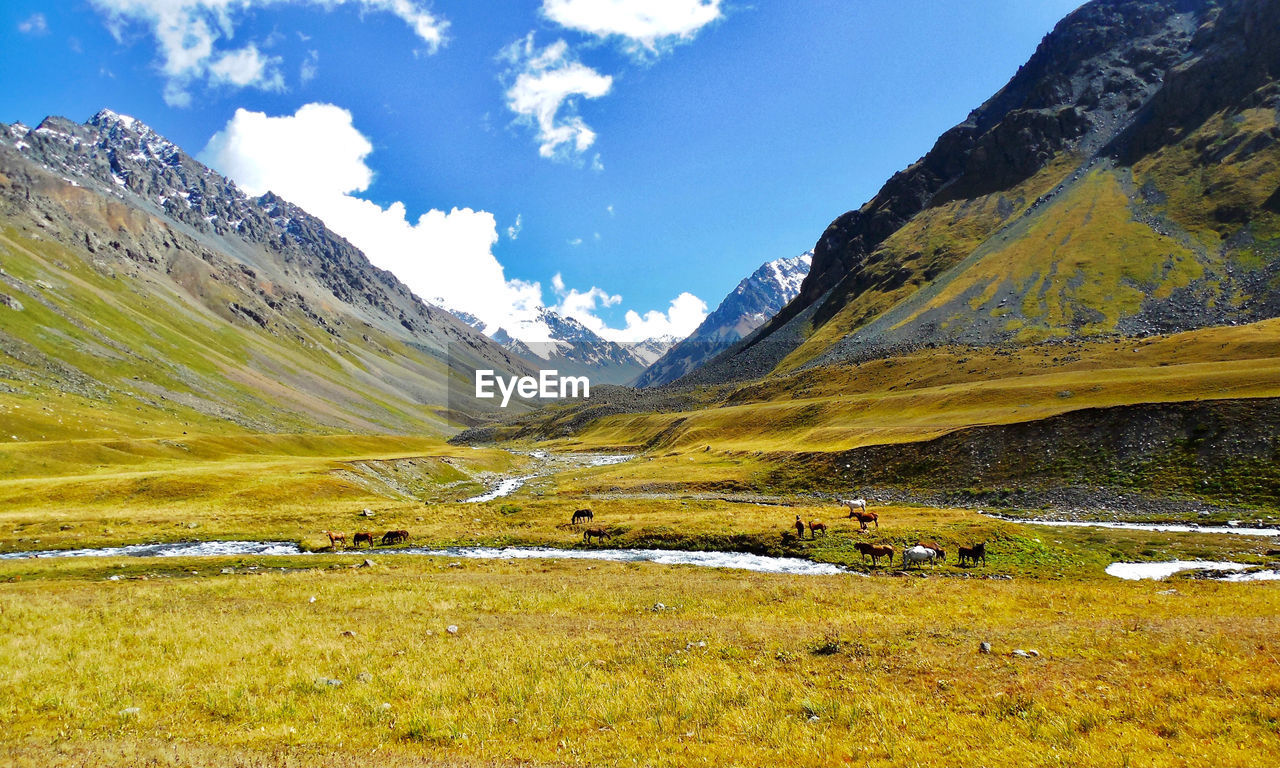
[[136, 280], [573, 349], [756, 299]]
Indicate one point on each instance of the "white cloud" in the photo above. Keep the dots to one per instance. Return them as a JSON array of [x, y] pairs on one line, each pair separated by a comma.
[[649, 24], [316, 159], [545, 91], [310, 65], [513, 231], [35, 24], [685, 313], [247, 66], [575, 242], [188, 33]]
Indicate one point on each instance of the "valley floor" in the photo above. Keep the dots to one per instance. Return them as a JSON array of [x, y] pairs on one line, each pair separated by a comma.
[[313, 660]]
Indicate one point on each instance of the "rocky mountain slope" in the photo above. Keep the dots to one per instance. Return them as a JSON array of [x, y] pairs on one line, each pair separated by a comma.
[[1124, 182], [146, 291], [756, 299]]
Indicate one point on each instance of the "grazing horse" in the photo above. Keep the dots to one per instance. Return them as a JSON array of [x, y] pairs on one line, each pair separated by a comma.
[[876, 551], [931, 544], [865, 517], [334, 538], [600, 534], [799, 528], [852, 504], [815, 526], [582, 515], [367, 538], [394, 537], [917, 554], [974, 554], [881, 550]]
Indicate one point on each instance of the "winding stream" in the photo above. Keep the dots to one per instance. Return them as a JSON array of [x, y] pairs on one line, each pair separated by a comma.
[[510, 485], [1161, 527], [737, 560]]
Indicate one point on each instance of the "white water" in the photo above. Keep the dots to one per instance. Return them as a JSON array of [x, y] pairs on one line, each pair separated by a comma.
[[504, 488], [1157, 571], [510, 485], [1163, 527], [738, 560], [179, 549]]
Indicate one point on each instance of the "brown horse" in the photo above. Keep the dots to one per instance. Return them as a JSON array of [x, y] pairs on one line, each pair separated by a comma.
[[799, 528], [600, 534], [582, 515], [362, 537], [394, 537], [875, 551], [931, 544], [974, 554], [334, 538], [815, 526], [865, 517], [881, 550]]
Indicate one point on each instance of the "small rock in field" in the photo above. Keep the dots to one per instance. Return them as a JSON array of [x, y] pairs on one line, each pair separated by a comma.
[[659, 607], [364, 677], [329, 681], [348, 633], [386, 705], [312, 600], [1020, 654], [452, 629], [984, 647], [193, 525], [1034, 652], [419, 519], [814, 718], [228, 570], [367, 513], [113, 577], [130, 711], [455, 565]]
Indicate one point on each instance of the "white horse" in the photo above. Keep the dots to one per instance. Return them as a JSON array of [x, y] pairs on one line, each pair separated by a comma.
[[852, 504], [918, 554]]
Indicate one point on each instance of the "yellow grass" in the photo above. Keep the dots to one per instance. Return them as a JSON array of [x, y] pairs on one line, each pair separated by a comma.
[[568, 663]]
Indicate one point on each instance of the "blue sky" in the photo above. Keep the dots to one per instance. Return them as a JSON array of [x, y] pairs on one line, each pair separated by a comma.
[[698, 140]]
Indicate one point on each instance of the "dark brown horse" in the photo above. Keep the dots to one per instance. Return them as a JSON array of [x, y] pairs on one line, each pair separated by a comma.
[[974, 554], [799, 528], [600, 534], [582, 515], [815, 526], [359, 538], [394, 537]]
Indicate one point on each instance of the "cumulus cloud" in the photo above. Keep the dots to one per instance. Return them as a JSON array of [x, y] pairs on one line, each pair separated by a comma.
[[315, 158], [545, 86], [685, 313], [188, 34], [649, 24], [35, 24]]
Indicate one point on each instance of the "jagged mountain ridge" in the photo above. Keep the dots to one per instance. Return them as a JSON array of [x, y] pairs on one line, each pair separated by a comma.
[[312, 335], [574, 349], [1124, 107], [752, 303]]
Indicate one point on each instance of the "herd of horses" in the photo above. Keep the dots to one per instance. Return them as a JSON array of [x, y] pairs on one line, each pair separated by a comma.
[[390, 538], [922, 552]]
